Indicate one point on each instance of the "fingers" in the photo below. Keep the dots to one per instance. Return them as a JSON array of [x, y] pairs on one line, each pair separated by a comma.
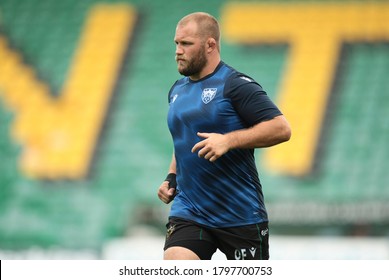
[[203, 134], [211, 148], [208, 154], [212, 158], [198, 146], [202, 143], [205, 151]]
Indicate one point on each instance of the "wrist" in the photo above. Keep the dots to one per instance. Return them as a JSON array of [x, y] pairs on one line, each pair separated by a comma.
[[232, 141], [171, 179]]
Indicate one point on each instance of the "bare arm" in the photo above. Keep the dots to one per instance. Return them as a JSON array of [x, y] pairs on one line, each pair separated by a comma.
[[172, 166], [164, 193], [264, 134]]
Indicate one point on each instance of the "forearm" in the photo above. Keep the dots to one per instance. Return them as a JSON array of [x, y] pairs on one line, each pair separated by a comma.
[[167, 190], [172, 166], [264, 134]]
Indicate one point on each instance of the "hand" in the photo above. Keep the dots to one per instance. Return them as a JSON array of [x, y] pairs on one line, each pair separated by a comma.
[[165, 194], [214, 146]]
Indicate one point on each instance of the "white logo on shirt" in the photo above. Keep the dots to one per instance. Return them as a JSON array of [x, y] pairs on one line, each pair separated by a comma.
[[174, 98], [208, 94], [247, 79]]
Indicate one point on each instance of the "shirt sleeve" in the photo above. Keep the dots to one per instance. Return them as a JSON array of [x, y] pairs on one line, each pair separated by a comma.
[[169, 97], [249, 100]]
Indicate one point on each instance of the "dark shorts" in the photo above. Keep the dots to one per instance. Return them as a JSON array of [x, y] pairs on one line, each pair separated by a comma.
[[249, 242]]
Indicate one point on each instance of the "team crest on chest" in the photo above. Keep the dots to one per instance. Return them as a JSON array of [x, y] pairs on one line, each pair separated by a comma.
[[208, 94]]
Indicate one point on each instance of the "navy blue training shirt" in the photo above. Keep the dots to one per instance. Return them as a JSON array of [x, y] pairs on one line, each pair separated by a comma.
[[227, 192]]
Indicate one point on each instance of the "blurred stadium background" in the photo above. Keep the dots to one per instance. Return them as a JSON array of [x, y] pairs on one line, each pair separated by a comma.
[[84, 143]]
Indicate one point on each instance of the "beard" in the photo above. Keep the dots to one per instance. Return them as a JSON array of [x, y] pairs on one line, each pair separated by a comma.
[[194, 65]]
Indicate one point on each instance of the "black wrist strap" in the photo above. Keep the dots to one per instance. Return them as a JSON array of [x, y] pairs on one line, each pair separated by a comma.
[[171, 178]]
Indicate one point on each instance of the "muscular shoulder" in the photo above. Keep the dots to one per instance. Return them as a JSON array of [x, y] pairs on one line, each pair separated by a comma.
[[249, 98], [239, 83]]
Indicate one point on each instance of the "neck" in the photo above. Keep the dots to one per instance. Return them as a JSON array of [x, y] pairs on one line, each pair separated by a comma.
[[208, 69]]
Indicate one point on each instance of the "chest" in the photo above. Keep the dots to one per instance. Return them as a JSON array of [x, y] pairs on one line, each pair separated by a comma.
[[202, 107]]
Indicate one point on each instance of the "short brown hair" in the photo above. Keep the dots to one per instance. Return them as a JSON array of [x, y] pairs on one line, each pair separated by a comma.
[[208, 25]]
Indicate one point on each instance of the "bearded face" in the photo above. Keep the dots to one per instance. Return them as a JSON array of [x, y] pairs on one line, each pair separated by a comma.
[[193, 64]]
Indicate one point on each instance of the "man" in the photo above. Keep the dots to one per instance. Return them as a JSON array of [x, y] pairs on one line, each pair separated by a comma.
[[217, 117]]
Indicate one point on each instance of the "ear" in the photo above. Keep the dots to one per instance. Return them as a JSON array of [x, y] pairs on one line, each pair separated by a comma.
[[211, 45]]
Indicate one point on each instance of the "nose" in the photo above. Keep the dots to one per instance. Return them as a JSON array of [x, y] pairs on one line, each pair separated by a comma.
[[179, 50]]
